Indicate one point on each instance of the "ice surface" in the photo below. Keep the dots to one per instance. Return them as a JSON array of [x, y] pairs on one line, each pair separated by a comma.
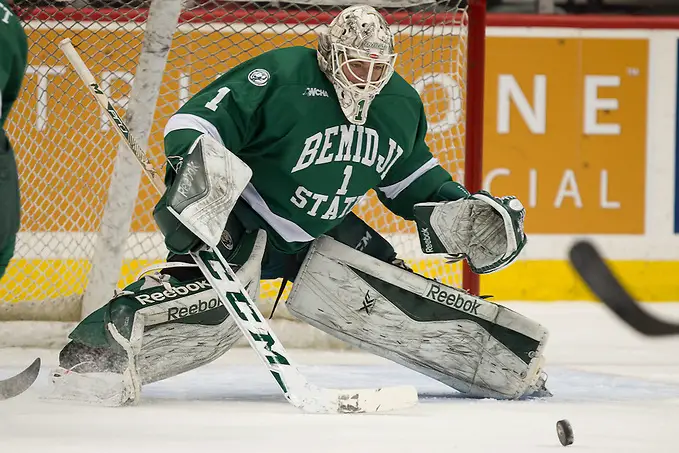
[[618, 389]]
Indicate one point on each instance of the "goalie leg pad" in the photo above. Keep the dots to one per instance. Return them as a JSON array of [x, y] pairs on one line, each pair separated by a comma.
[[477, 347], [157, 338], [159, 327]]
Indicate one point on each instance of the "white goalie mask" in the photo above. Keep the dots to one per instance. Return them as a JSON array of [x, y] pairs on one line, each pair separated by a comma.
[[357, 54]]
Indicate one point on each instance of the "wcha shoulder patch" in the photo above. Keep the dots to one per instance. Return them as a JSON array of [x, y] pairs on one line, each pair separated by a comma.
[[259, 77]]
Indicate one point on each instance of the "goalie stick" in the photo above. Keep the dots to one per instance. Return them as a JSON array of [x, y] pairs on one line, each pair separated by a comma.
[[598, 276], [296, 389], [16, 385]]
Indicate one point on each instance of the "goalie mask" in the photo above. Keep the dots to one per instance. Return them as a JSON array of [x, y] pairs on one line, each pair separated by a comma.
[[357, 54]]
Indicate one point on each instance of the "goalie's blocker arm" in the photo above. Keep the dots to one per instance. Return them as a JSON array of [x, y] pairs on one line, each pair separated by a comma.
[[486, 230], [194, 209]]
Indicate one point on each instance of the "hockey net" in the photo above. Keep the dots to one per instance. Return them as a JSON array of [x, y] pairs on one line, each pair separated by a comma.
[[77, 202]]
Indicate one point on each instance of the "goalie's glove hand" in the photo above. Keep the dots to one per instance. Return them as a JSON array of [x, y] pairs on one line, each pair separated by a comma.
[[485, 230]]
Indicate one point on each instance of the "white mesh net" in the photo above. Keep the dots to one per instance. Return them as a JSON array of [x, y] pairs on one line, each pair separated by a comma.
[[66, 150]]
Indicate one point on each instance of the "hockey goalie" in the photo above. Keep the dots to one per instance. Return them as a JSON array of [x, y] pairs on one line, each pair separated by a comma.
[[316, 129]]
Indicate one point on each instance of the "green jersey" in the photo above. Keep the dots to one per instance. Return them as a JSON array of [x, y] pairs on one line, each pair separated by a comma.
[[13, 59], [280, 114]]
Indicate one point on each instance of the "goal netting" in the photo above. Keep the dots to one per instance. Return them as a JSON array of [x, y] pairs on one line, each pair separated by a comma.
[[86, 211]]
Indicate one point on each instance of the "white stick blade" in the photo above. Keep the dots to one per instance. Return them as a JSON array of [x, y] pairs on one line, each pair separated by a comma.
[[378, 400], [357, 401]]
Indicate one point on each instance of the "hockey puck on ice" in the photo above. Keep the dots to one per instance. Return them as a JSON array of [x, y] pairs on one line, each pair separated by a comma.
[[565, 432]]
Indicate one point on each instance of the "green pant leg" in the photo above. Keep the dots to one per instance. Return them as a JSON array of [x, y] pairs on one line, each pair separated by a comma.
[[354, 232], [9, 203], [6, 254]]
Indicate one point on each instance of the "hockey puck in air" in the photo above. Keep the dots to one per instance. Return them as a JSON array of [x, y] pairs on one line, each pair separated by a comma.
[[565, 432]]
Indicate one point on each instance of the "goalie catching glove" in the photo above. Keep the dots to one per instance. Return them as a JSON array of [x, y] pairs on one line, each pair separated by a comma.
[[486, 230]]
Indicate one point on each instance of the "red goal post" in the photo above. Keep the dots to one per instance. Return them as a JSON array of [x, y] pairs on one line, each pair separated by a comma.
[[86, 212]]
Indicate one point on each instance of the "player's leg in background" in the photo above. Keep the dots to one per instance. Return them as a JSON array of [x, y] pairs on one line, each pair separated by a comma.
[[6, 254], [9, 202]]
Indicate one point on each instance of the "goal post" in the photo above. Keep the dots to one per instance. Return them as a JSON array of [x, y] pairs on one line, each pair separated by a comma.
[[473, 164], [87, 223], [123, 191]]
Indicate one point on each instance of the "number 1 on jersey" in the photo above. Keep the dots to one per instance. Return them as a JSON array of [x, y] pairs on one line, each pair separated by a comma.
[[7, 12], [361, 108], [345, 182], [214, 103]]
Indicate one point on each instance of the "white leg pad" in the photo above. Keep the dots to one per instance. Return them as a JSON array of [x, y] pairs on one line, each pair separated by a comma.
[[161, 352], [475, 346]]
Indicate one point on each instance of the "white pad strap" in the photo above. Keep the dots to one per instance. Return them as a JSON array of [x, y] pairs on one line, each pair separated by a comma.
[[131, 381]]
